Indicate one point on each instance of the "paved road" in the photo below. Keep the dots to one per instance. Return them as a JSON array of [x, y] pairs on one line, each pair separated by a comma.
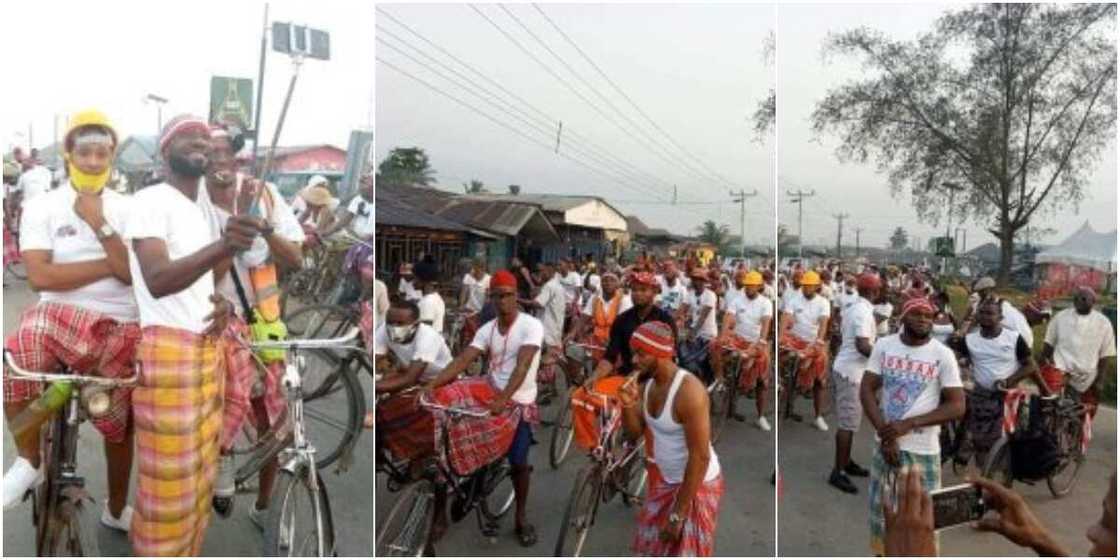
[[350, 492], [815, 519], [746, 521]]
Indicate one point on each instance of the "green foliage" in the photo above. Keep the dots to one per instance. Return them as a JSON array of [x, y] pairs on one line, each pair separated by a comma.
[[407, 166]]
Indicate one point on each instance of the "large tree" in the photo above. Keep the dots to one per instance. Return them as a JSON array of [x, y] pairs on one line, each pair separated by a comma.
[[474, 187], [1010, 105], [407, 165], [712, 233], [767, 110]]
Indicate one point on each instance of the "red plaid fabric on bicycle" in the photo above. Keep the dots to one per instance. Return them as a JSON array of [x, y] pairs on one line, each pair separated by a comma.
[[699, 533], [550, 364], [405, 428], [51, 336], [754, 367], [241, 371], [473, 443], [814, 360], [1011, 400]]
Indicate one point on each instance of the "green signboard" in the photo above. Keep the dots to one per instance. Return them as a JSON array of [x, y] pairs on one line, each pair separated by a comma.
[[231, 101]]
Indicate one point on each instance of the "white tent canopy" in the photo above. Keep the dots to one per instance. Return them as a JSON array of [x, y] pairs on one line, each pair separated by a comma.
[[1086, 248]]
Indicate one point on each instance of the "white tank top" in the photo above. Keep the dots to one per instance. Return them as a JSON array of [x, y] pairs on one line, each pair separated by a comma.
[[670, 450]]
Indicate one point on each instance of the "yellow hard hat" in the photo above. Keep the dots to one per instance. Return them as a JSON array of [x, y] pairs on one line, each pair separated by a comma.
[[752, 278], [88, 117], [811, 278]]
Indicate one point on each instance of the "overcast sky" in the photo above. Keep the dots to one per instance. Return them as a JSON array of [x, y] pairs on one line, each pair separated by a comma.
[[71, 55], [809, 162], [696, 70]]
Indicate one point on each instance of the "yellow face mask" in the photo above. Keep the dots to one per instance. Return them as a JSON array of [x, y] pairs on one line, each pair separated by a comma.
[[90, 183]]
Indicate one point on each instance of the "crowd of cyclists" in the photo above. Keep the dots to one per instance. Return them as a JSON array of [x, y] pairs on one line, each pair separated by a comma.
[[883, 341], [172, 283]]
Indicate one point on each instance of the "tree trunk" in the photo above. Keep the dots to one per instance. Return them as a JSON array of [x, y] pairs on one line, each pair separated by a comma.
[[1006, 254]]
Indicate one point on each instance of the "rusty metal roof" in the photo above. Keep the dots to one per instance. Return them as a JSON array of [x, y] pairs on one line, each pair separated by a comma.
[[505, 217]]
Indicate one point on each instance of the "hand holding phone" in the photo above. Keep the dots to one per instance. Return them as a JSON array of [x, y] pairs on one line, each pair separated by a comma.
[[957, 505]]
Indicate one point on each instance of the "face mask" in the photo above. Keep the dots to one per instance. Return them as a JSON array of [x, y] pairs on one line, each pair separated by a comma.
[[87, 182], [401, 334]]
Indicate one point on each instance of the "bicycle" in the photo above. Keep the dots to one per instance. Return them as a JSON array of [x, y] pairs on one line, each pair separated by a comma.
[[791, 361], [617, 468], [562, 431], [406, 529], [1062, 417], [298, 478], [64, 525], [722, 392]]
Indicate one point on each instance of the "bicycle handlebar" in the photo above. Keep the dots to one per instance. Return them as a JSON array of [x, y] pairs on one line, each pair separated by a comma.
[[20, 373], [312, 343], [424, 402]]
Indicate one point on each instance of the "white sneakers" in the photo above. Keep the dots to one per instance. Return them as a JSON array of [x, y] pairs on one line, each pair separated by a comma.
[[123, 523], [820, 425], [763, 424], [20, 478]]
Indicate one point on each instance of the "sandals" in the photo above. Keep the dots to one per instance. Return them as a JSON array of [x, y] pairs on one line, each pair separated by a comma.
[[527, 535]]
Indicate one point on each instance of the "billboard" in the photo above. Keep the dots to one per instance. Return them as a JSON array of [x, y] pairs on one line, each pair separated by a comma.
[[359, 158], [231, 101]]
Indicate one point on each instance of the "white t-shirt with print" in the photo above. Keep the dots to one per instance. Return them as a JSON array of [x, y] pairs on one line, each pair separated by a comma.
[[427, 346], [858, 322], [165, 213], [553, 298], [502, 350], [672, 297], [1080, 341], [476, 291], [749, 314], [49, 223], [707, 298], [432, 309], [912, 380], [363, 216], [807, 314]]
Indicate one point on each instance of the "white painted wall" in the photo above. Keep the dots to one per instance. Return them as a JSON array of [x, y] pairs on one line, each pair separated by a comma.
[[595, 214]]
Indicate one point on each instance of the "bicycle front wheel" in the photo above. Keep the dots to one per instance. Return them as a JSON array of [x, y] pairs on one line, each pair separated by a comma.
[[1064, 476], [334, 420], [299, 519], [404, 531], [719, 406], [998, 467], [579, 515], [562, 435]]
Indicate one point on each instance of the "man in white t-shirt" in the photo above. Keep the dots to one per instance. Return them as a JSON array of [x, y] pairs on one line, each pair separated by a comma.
[[572, 282], [406, 287], [746, 328], [858, 334], [35, 180], [552, 304], [1000, 360], [673, 290], [912, 385], [358, 214], [86, 316], [1079, 341], [476, 286], [1013, 319], [172, 260], [804, 331], [432, 307], [512, 343]]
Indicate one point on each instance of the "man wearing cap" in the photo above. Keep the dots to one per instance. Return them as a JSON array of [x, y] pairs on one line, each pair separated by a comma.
[[618, 360], [1079, 341], [858, 334], [181, 317], [314, 206], [681, 508], [1012, 318], [512, 343], [912, 385], [86, 316], [804, 332], [700, 306], [745, 328]]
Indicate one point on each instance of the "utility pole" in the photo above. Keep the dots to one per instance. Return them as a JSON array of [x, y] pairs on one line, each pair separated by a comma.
[[741, 198], [839, 231], [858, 230], [798, 198]]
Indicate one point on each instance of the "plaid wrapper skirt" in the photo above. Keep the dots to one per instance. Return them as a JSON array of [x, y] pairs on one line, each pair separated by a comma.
[[473, 443], [699, 533], [405, 428], [814, 360], [928, 465], [241, 371], [51, 336], [754, 367], [984, 421], [178, 411]]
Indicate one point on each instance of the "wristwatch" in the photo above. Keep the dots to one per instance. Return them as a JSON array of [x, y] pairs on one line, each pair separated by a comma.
[[105, 232]]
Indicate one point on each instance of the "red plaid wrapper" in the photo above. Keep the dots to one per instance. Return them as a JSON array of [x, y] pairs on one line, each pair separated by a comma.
[[814, 360], [1011, 400], [754, 366], [1090, 401], [241, 371], [473, 443], [405, 428], [699, 533], [51, 336]]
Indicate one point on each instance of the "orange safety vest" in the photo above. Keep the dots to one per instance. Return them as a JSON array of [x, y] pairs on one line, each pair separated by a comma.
[[263, 277], [603, 319]]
